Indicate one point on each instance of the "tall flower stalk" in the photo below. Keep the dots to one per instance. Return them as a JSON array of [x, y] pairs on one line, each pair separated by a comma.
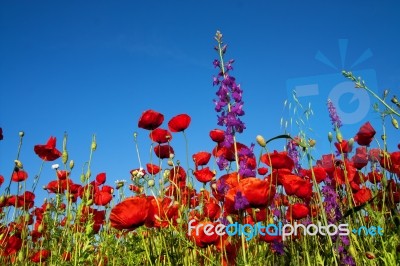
[[229, 103]]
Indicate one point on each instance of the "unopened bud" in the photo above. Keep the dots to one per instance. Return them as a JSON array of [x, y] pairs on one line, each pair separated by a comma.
[[370, 255], [71, 164], [350, 143], [18, 164], [55, 166], [312, 142], [150, 183], [94, 144], [229, 218], [261, 141], [170, 163], [339, 136], [394, 100], [330, 136], [21, 134], [2, 199], [40, 228], [88, 174], [82, 178], [64, 156], [383, 137], [395, 123]]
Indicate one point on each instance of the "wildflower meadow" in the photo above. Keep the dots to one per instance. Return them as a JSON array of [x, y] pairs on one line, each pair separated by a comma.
[[240, 203]]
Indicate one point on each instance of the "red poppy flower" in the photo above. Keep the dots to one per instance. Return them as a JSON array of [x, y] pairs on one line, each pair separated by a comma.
[[212, 210], [257, 192], [343, 172], [278, 160], [160, 135], [1, 133], [362, 196], [228, 153], [179, 123], [262, 170], [48, 151], [297, 211], [152, 168], [270, 235], [295, 185], [163, 151], [319, 173], [202, 239], [102, 198], [360, 159], [343, 147], [62, 174], [1, 180], [18, 176], [130, 213], [204, 175], [101, 178], [365, 135], [177, 174], [201, 158], [11, 244], [150, 120], [217, 135], [375, 176], [40, 256]]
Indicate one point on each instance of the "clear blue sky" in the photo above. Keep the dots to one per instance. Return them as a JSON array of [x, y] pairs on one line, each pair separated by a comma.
[[92, 67]]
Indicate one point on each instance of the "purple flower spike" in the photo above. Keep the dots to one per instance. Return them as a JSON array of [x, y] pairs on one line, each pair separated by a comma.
[[241, 202]]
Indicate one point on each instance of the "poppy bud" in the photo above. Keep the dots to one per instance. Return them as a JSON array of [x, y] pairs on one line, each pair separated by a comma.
[[55, 166], [2, 199], [350, 143], [330, 137], [395, 123], [150, 183], [385, 93], [82, 178], [352, 251], [94, 144], [214, 186], [312, 142], [170, 163], [229, 218], [383, 137], [88, 229], [394, 100], [88, 174], [21, 256], [64, 156], [261, 141], [370, 255], [339, 136], [71, 164], [18, 164], [21, 134], [40, 228]]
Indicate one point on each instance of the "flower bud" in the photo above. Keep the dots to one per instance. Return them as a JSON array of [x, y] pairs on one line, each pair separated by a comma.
[[330, 136], [150, 183], [383, 137], [170, 163], [18, 164], [21, 134], [394, 100], [64, 156], [339, 136], [55, 166], [385, 93], [71, 164], [370, 255], [261, 141], [350, 143], [82, 178], [88, 174], [40, 228], [395, 123], [94, 144], [312, 142]]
